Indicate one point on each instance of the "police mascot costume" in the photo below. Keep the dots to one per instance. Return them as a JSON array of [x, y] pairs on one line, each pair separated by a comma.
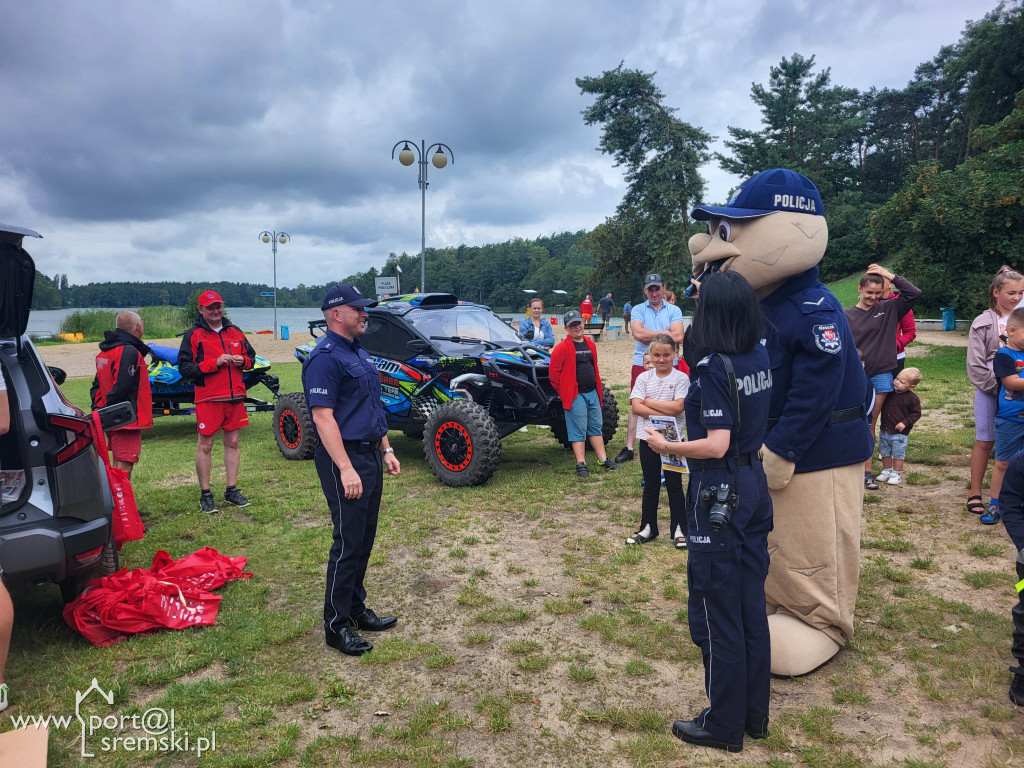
[[773, 232]]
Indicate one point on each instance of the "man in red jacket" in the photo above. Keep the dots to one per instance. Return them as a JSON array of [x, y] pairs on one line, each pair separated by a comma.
[[122, 377], [213, 354]]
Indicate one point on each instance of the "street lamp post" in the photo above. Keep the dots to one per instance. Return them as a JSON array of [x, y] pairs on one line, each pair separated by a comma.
[[274, 238], [440, 160]]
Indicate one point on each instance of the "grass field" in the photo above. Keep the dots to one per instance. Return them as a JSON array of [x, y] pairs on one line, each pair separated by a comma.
[[529, 634]]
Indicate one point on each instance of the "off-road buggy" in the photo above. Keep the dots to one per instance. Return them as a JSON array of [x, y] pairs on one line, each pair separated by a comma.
[[453, 374]]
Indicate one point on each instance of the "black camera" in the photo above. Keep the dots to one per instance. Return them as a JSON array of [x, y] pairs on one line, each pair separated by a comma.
[[720, 501], [529, 334]]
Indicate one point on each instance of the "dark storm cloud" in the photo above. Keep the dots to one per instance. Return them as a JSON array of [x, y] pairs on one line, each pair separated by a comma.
[[163, 137]]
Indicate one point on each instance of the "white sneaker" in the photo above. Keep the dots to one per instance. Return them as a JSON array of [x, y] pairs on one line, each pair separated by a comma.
[[884, 476], [893, 479]]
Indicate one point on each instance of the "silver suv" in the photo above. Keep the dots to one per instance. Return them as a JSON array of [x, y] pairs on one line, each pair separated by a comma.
[[56, 503]]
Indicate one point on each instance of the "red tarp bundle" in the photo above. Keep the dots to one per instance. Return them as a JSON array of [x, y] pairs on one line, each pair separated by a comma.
[[172, 594]]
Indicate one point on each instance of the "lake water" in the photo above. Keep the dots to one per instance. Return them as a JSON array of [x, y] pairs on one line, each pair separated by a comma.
[[42, 322], [47, 321]]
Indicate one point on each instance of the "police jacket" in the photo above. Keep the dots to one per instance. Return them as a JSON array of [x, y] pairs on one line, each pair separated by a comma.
[[817, 416], [122, 377], [197, 360]]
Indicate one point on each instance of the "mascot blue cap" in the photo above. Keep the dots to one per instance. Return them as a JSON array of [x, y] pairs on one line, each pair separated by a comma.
[[768, 192]]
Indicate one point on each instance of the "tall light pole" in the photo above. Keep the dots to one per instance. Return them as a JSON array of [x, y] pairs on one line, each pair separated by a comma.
[[274, 238], [440, 160], [398, 278]]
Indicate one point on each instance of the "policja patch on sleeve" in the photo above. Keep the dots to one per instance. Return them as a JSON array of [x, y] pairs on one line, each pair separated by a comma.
[[826, 338]]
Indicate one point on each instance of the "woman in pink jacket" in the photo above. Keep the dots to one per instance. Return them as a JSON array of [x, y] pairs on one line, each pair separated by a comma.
[[983, 342]]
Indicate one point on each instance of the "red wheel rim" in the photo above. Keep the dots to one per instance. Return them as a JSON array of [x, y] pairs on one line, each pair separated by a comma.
[[290, 429], [453, 446]]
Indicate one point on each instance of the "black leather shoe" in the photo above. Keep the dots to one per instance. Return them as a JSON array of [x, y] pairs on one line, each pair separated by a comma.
[[1017, 686], [371, 622], [691, 733], [347, 641], [757, 728]]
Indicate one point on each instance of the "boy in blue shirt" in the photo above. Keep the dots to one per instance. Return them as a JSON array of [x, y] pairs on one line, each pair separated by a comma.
[[1008, 367]]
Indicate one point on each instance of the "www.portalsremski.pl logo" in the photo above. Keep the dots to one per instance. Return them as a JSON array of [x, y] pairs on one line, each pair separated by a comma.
[[152, 731]]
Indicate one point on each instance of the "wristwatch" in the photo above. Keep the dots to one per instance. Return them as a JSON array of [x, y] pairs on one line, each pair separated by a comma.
[[388, 450]]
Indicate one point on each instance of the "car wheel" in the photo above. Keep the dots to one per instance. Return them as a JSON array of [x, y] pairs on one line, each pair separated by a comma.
[[462, 444], [609, 415], [73, 586], [293, 428]]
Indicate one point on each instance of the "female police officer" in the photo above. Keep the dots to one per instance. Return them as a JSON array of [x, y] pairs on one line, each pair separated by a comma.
[[729, 514]]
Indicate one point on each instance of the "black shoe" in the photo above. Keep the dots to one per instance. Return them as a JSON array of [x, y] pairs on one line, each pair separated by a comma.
[[371, 622], [1017, 686], [234, 496], [581, 470], [691, 733], [869, 483], [757, 729], [626, 454], [207, 504], [347, 641], [609, 464]]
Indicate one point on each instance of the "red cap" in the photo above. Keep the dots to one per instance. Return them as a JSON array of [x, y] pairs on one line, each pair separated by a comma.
[[206, 298]]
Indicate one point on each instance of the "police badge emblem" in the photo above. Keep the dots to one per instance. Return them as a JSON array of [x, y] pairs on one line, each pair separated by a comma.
[[826, 338]]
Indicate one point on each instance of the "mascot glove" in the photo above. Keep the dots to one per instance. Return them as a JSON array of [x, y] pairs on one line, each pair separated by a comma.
[[778, 470]]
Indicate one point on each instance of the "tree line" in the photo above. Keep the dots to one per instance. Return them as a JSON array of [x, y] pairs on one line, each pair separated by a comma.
[[928, 178]]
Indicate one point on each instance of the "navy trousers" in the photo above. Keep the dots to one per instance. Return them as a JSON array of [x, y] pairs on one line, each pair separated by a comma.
[[355, 528], [726, 570]]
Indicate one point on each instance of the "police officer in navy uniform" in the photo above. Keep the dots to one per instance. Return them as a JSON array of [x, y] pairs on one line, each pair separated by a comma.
[[342, 389], [728, 559]]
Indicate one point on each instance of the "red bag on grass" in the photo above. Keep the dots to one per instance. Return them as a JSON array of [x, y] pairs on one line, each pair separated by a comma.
[[125, 517], [205, 568], [127, 525]]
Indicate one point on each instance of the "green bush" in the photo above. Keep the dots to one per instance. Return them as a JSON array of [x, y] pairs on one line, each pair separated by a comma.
[[160, 322]]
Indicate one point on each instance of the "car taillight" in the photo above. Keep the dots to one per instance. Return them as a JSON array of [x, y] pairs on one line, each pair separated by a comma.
[[90, 557], [79, 436]]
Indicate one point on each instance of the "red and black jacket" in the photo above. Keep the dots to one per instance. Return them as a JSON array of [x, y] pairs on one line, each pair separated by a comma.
[[197, 360], [122, 377]]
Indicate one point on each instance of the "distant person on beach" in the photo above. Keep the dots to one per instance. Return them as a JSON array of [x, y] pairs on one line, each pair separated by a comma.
[[213, 354], [606, 305], [122, 377], [587, 309]]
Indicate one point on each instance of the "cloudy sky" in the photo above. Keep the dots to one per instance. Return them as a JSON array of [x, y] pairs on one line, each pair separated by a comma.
[[155, 140]]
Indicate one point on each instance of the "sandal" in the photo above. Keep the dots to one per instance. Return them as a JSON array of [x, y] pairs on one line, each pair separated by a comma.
[[975, 505], [639, 538], [991, 516]]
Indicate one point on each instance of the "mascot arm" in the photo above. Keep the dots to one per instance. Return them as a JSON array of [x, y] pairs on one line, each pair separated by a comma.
[[777, 470], [815, 383]]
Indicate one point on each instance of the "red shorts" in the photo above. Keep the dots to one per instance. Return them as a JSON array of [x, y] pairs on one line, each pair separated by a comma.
[[219, 414], [637, 370], [125, 444]]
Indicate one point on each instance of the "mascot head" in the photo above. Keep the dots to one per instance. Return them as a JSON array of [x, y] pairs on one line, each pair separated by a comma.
[[772, 228]]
